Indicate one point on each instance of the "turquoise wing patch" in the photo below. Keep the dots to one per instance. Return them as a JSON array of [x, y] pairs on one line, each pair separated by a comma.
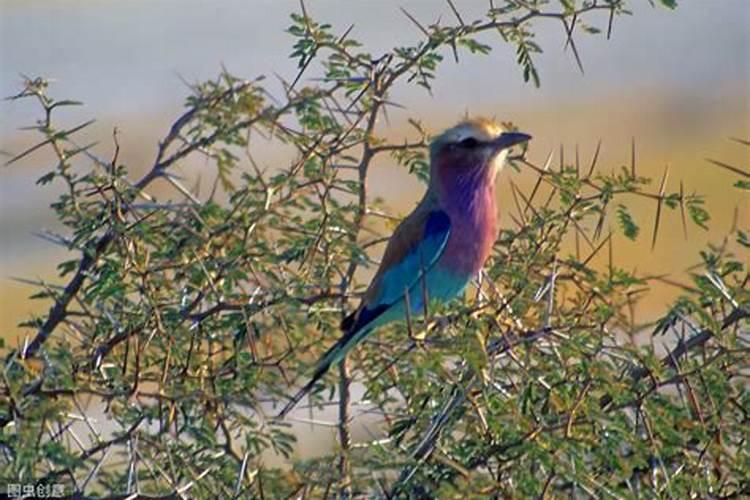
[[410, 270]]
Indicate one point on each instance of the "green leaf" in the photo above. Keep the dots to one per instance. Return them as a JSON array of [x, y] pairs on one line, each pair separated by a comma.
[[46, 178], [743, 239], [698, 214], [628, 225]]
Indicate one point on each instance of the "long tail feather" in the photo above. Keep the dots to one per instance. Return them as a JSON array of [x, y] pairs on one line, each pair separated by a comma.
[[335, 354]]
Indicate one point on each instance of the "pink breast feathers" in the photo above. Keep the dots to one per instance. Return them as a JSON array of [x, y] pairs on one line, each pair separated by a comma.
[[473, 232]]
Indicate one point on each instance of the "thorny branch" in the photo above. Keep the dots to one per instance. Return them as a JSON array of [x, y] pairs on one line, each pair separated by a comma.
[[185, 321]]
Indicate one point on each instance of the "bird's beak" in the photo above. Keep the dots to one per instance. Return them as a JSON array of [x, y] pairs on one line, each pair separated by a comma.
[[509, 139]]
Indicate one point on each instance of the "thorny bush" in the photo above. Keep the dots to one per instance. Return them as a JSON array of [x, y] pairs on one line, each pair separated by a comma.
[[180, 324]]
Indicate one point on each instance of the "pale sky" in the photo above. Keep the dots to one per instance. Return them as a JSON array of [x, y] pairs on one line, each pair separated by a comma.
[[125, 57]]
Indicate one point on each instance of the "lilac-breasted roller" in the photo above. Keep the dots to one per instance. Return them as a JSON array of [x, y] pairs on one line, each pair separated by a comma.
[[441, 245]]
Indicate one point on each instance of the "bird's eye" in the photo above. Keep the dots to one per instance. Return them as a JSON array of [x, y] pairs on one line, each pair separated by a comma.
[[469, 143]]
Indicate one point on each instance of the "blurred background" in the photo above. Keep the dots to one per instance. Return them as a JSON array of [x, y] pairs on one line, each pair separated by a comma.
[[676, 81]]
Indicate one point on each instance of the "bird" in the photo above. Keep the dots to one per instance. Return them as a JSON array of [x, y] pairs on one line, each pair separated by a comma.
[[437, 249]]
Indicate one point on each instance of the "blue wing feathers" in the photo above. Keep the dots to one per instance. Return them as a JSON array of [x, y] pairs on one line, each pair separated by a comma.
[[395, 282], [423, 256], [438, 225], [365, 316]]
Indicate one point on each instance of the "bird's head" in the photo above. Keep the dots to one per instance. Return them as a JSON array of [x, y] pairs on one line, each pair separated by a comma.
[[472, 151]]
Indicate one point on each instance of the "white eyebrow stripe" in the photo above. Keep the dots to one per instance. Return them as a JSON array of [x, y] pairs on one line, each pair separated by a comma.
[[471, 132], [466, 133]]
